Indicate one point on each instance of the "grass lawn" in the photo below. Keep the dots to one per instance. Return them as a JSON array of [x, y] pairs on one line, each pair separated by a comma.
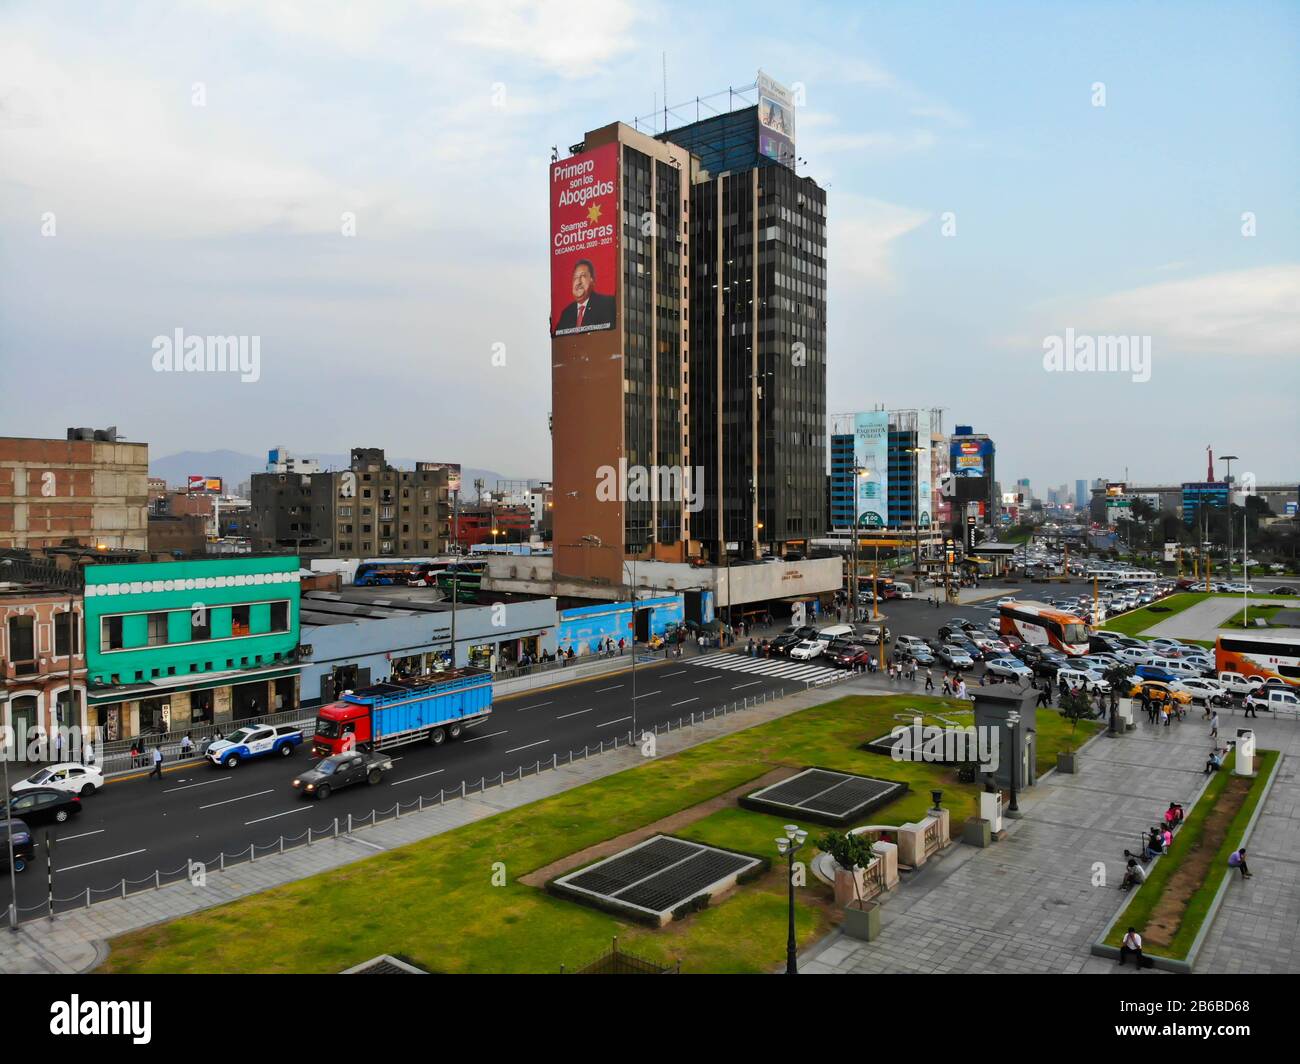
[[434, 903], [1138, 621], [1187, 841], [1238, 619]]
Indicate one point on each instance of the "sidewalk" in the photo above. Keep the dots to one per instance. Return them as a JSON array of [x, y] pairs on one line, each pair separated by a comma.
[[75, 941], [1027, 904], [1203, 620]]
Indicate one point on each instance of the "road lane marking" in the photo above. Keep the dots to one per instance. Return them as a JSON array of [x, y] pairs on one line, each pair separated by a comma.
[[537, 706], [84, 834], [676, 704], [609, 722], [707, 679], [259, 820], [489, 735], [647, 694], [213, 805], [87, 864], [601, 690], [411, 779], [528, 747], [679, 672], [219, 779], [579, 713], [751, 684]]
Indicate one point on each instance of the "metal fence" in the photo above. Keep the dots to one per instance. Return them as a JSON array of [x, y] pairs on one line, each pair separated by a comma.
[[196, 871], [615, 961]]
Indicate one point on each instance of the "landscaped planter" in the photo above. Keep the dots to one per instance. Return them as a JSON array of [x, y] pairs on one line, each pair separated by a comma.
[[862, 923], [1067, 762]]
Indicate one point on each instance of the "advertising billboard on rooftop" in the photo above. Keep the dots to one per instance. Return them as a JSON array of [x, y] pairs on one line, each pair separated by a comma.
[[584, 242], [871, 472], [775, 120]]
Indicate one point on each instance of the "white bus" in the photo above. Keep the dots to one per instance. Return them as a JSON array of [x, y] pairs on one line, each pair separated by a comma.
[[1136, 577]]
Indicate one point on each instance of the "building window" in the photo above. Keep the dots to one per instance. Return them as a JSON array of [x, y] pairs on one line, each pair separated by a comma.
[[157, 629], [65, 634], [280, 616], [239, 621], [22, 645], [200, 624], [110, 633]]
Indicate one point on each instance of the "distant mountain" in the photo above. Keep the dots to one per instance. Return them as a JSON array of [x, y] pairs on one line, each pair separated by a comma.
[[234, 468]]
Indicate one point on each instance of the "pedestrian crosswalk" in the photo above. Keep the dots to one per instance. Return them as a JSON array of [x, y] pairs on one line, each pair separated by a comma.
[[777, 668]]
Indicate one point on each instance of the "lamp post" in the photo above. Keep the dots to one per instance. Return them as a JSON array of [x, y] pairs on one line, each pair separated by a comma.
[[1013, 725], [787, 847], [1227, 479], [5, 733]]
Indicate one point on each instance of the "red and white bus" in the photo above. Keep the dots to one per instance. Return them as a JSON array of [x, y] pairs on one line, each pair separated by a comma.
[[1043, 625], [1259, 655]]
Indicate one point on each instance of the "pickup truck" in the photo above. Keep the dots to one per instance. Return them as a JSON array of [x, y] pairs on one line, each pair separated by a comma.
[[341, 770], [256, 740]]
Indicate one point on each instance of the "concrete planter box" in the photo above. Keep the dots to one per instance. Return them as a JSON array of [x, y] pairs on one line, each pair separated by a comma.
[[1067, 762], [864, 923]]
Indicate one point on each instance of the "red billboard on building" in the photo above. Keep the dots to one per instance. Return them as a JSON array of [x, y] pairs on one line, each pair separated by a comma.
[[584, 241]]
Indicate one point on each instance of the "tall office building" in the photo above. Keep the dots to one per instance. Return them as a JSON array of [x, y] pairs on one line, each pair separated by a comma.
[[688, 324], [1080, 494], [974, 477]]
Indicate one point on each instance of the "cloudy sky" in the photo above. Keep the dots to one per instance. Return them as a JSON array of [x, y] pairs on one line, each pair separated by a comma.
[[193, 164]]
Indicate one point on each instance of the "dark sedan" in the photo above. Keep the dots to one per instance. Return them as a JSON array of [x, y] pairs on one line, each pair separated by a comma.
[[44, 805], [23, 845], [850, 656]]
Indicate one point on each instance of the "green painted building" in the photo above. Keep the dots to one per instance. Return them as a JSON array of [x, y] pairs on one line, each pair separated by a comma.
[[170, 645]]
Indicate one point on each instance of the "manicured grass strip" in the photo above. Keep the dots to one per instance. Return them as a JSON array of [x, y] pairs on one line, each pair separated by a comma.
[[434, 901], [1239, 619], [1189, 836], [1137, 622]]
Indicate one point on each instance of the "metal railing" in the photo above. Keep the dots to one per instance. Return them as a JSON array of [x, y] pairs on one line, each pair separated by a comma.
[[196, 872]]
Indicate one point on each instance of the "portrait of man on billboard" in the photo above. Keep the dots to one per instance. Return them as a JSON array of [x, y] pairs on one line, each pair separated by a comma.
[[589, 309]]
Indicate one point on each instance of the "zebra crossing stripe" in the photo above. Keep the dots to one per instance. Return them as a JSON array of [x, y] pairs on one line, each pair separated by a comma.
[[777, 669]]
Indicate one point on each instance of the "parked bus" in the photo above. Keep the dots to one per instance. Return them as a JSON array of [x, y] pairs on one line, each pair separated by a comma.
[[1259, 655], [1043, 625], [1123, 576]]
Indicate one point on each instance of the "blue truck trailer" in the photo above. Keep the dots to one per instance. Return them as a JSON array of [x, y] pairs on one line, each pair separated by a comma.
[[435, 708]]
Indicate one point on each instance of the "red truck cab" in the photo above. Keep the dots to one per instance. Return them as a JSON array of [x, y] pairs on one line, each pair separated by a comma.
[[340, 727]]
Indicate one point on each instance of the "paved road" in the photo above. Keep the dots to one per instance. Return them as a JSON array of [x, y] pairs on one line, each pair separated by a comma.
[[135, 826]]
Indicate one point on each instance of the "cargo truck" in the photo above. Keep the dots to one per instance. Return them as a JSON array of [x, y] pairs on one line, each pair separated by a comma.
[[435, 708]]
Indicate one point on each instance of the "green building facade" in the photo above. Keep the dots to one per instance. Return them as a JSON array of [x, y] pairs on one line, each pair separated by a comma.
[[177, 644]]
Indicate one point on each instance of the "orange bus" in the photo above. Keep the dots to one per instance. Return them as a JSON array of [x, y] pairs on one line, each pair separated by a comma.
[[1043, 625], [1259, 655]]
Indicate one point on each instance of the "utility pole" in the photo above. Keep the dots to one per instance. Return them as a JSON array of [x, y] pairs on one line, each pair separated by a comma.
[[455, 568], [1227, 481]]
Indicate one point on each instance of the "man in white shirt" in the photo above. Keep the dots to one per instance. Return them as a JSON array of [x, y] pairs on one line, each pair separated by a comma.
[[1132, 944]]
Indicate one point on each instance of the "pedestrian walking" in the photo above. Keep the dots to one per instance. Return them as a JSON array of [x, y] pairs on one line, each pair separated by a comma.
[[1249, 707], [157, 762], [929, 680], [1214, 725], [135, 753], [1044, 698], [187, 745]]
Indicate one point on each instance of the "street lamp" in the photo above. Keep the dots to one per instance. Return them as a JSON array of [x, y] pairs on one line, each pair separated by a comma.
[[787, 847], [1227, 479], [1013, 724]]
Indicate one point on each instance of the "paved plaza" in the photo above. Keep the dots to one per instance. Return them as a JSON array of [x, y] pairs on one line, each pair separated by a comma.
[[1027, 904]]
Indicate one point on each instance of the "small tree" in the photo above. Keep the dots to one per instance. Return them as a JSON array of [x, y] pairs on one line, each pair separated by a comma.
[[849, 852], [1075, 706]]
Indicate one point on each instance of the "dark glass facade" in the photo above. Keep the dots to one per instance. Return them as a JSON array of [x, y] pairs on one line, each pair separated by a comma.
[[757, 342], [652, 288]]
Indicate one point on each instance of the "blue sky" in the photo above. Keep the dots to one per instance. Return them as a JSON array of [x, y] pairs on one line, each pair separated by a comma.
[[432, 123]]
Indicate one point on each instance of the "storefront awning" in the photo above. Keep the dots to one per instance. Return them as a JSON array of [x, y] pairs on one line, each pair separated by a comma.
[[166, 685]]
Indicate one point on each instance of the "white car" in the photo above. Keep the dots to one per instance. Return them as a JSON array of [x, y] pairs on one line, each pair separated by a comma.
[[1202, 690], [67, 776], [1006, 600], [1135, 656], [1012, 667], [807, 650]]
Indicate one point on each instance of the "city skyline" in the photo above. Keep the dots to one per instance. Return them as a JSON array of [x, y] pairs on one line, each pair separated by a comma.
[[975, 213]]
